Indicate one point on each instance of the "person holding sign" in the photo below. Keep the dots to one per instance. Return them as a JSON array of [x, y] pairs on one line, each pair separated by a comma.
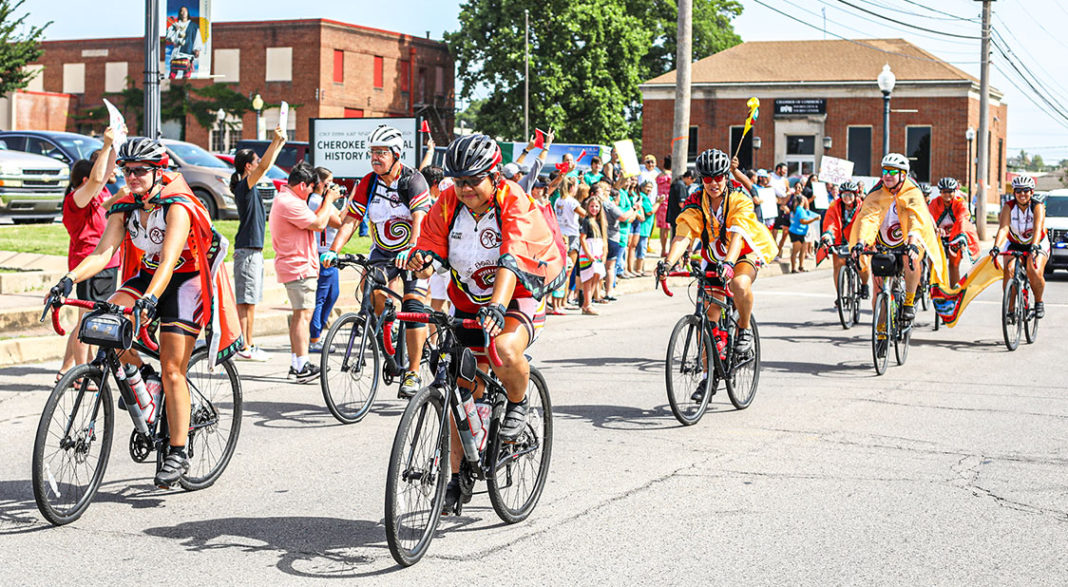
[[731, 237], [395, 198]]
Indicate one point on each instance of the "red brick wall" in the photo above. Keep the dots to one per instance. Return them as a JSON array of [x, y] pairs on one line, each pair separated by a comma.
[[40, 111], [313, 43]]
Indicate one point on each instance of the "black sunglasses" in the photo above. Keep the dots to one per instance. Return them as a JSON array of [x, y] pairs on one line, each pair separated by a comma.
[[471, 182]]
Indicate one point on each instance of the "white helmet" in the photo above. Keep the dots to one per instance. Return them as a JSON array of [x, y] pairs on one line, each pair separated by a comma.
[[1023, 182], [386, 136], [896, 161]]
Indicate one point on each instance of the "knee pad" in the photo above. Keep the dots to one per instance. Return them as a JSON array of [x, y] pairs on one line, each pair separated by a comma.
[[413, 306]]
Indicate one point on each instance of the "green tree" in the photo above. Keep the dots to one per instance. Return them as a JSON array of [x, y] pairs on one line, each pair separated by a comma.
[[712, 30], [1037, 164], [18, 46]]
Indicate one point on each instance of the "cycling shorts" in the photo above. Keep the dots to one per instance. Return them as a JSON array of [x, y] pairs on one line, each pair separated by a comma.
[[411, 286], [528, 311], [179, 308]]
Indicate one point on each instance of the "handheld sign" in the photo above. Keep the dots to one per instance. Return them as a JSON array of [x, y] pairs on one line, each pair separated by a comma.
[[116, 122], [835, 170], [628, 158], [283, 116]]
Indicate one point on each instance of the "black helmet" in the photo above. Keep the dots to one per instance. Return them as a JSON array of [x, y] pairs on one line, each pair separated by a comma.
[[713, 162], [948, 183], [143, 150], [471, 155]]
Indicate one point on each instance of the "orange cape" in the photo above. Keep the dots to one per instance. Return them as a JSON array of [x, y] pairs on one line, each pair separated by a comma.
[[962, 231], [696, 217], [219, 317], [833, 224], [914, 215], [529, 247]]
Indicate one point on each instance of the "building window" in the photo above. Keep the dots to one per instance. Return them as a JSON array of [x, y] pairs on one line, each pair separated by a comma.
[[858, 149], [918, 150], [73, 78], [115, 76], [1001, 163], [225, 134], [405, 76], [354, 113], [379, 66], [745, 154], [439, 81], [800, 154], [36, 84], [270, 117], [339, 66], [422, 85], [227, 65], [279, 64], [691, 145]]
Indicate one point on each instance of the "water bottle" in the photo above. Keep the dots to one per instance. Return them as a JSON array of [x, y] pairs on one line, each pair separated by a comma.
[[468, 423], [721, 342], [139, 418], [484, 410], [145, 400]]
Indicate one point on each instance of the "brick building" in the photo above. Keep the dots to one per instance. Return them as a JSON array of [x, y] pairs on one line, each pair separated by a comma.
[[323, 68], [821, 97]]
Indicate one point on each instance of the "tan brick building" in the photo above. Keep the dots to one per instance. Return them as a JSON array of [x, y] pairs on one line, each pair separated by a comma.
[[821, 97], [323, 68]]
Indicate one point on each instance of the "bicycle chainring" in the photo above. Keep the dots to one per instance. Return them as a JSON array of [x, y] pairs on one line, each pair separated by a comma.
[[140, 447]]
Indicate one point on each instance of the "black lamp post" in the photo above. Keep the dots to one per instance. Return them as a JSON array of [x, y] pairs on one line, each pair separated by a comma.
[[886, 82]]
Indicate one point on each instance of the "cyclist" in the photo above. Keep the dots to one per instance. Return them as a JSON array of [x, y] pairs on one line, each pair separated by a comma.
[[1022, 227], [731, 237], [837, 224], [172, 267], [503, 260], [953, 225], [895, 214], [395, 199], [925, 188]]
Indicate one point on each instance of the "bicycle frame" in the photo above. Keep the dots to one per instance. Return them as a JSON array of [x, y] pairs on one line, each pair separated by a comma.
[[707, 290], [371, 283]]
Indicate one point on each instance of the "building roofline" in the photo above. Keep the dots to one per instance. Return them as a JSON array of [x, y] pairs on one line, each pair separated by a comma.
[[713, 85]]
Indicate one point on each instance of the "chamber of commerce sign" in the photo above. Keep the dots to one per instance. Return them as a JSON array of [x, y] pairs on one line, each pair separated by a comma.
[[800, 106]]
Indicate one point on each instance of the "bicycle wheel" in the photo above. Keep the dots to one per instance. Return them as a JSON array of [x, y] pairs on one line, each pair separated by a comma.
[[69, 466], [844, 303], [216, 406], [880, 326], [520, 468], [350, 365], [688, 350], [924, 292], [1030, 327], [745, 373], [901, 342], [415, 483], [1011, 323], [855, 277]]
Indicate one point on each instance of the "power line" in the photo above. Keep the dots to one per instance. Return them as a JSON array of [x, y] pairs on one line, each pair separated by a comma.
[[1039, 23], [1058, 115], [1028, 76], [862, 9], [1050, 79], [907, 30], [854, 41], [976, 20], [907, 13]]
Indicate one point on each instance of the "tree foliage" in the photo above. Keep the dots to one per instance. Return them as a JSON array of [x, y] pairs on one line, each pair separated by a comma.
[[586, 61], [19, 45]]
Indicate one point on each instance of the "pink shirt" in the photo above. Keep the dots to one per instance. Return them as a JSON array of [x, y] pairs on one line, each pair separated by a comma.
[[293, 238]]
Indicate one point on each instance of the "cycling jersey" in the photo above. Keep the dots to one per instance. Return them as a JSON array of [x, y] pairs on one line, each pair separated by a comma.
[[714, 227], [390, 207], [149, 239], [953, 219], [1022, 229], [839, 220], [511, 234], [889, 219]]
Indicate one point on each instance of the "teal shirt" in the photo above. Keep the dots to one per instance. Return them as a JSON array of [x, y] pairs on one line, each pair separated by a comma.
[[592, 178], [646, 228], [625, 204]]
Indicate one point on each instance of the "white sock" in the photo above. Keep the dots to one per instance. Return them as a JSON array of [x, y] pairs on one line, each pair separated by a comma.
[[302, 361], [294, 362]]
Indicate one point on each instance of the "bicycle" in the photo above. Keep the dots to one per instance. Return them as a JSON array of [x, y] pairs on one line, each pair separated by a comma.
[[74, 436], [848, 289], [515, 471], [692, 341], [948, 250], [1017, 309], [887, 324], [354, 349]]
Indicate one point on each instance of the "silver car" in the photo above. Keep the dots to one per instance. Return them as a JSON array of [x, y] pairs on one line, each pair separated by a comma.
[[31, 186], [209, 177]]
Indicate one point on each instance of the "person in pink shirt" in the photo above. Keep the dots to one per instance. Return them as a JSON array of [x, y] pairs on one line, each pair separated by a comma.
[[84, 218], [296, 258]]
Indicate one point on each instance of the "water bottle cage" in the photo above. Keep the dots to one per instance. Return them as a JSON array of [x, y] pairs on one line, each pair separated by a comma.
[[467, 366]]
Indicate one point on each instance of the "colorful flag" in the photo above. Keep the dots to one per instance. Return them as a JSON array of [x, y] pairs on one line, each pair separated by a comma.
[[539, 138], [425, 127], [950, 304]]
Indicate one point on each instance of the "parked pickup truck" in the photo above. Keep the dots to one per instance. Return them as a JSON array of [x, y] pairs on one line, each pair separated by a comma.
[[31, 187]]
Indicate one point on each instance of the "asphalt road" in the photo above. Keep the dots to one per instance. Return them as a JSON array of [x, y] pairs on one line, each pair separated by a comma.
[[950, 469]]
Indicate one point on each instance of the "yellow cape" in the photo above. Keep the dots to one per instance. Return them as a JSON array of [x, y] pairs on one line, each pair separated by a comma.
[[950, 303], [915, 217], [740, 219]]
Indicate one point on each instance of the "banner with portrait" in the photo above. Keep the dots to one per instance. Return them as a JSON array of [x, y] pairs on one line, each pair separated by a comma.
[[188, 39]]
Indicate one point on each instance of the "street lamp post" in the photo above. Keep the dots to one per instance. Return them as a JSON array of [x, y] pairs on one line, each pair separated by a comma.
[[757, 143], [886, 82], [257, 105], [969, 135]]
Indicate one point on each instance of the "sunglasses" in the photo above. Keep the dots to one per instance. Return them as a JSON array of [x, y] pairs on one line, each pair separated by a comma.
[[470, 182], [136, 171], [379, 152], [946, 191], [712, 178], [1022, 190], [892, 172]]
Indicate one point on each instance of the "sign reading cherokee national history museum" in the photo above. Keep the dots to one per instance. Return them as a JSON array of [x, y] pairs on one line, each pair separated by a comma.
[[340, 144], [800, 106]]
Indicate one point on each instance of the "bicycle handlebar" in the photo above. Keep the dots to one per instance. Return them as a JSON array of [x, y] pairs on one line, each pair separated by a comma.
[[444, 320], [707, 275], [54, 304]]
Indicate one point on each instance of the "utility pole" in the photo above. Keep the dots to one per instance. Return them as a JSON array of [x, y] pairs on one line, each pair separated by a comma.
[[680, 133], [984, 126], [526, 75], [152, 122]]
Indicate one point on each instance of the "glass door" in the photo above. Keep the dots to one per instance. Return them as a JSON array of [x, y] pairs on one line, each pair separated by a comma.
[[800, 154]]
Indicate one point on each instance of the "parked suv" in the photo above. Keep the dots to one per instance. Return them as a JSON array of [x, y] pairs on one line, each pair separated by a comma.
[[1057, 227], [209, 177], [31, 186], [292, 153], [67, 147]]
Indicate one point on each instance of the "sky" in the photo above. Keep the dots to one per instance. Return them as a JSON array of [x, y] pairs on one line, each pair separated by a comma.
[[1027, 27]]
